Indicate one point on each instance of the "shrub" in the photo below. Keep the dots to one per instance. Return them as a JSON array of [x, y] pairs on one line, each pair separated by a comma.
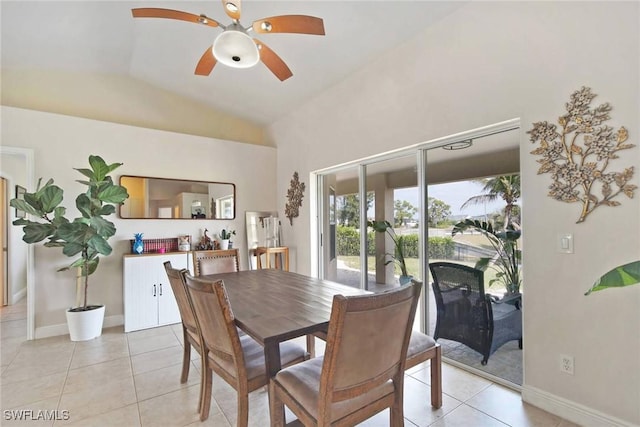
[[348, 244]]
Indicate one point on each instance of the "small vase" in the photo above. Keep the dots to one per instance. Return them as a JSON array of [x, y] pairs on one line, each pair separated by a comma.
[[138, 244], [224, 244]]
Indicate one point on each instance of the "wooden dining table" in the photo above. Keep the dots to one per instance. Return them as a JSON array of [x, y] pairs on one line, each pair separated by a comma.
[[273, 306]]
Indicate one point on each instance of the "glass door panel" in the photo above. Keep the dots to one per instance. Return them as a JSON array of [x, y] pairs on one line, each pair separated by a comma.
[[392, 203], [341, 227], [459, 187]]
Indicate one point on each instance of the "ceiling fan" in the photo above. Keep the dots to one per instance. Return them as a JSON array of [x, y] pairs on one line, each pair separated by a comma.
[[234, 47]]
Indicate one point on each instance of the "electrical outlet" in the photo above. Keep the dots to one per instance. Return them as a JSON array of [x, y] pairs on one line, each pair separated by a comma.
[[566, 364]]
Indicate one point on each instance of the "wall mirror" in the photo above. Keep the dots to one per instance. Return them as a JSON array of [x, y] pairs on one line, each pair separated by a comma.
[[163, 198]]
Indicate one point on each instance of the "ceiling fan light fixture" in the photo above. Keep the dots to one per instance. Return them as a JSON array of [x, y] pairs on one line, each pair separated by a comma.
[[231, 7], [235, 48]]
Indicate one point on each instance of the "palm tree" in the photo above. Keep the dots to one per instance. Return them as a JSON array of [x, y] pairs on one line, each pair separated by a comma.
[[507, 187]]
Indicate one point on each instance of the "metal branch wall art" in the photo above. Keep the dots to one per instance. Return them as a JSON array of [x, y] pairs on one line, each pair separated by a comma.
[[578, 154], [294, 198]]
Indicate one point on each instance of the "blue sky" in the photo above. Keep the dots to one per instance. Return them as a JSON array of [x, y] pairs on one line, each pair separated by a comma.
[[454, 194]]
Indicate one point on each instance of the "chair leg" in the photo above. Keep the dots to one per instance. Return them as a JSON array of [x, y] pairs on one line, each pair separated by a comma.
[[186, 357], [243, 410], [436, 379], [311, 345], [206, 393], [276, 407], [520, 343], [396, 413]]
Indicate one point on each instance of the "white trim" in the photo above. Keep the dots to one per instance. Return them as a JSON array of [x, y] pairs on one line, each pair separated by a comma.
[[18, 295], [315, 230], [63, 329], [29, 157], [570, 410]]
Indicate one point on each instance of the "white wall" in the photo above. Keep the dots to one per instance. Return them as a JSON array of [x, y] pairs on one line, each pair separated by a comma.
[[62, 143], [485, 63]]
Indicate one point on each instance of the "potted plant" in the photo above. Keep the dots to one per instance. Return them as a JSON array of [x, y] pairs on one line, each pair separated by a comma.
[[85, 236], [225, 236], [398, 245], [507, 260]]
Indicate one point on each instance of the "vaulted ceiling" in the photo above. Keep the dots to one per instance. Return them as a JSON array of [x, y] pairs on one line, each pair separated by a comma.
[[103, 37]]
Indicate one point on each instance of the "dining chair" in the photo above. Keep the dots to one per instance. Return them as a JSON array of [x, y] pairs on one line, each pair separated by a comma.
[[190, 334], [422, 347], [280, 254], [213, 262], [468, 315], [238, 360], [362, 370]]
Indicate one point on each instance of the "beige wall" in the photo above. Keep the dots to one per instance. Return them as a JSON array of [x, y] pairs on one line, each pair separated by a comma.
[[486, 63], [62, 143], [122, 99]]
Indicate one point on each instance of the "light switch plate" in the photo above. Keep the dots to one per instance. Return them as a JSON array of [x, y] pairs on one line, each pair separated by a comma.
[[565, 243]]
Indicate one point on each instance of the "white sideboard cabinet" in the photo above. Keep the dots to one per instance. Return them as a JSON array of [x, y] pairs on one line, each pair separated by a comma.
[[148, 297]]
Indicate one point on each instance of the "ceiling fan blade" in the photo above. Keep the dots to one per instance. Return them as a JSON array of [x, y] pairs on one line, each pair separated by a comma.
[[273, 61], [154, 12], [301, 24], [206, 63], [232, 8]]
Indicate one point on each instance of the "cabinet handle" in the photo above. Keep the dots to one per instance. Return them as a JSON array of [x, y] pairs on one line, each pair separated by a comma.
[[160, 289], [154, 290]]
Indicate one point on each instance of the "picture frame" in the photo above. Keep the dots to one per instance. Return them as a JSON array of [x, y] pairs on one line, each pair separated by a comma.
[[20, 191]]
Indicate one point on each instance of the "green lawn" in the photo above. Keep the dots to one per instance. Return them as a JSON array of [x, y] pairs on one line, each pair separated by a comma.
[[413, 268]]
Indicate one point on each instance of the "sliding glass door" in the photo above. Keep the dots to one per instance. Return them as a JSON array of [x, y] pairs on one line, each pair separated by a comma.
[[420, 193]]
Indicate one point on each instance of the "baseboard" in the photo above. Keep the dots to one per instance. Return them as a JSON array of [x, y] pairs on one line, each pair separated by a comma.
[[569, 410], [62, 329], [22, 293]]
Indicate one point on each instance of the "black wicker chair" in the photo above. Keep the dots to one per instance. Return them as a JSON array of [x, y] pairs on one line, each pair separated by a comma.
[[469, 316]]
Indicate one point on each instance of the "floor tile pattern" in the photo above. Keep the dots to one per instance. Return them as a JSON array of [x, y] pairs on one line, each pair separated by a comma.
[[133, 379]]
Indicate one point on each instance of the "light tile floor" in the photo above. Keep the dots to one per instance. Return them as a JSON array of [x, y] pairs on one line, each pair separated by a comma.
[[132, 379]]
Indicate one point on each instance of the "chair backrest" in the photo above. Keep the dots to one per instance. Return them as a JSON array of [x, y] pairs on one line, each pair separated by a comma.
[[367, 342], [462, 287], [215, 318], [213, 262], [176, 279]]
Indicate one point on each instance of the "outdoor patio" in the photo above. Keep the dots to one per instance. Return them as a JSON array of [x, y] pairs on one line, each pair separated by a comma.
[[505, 363]]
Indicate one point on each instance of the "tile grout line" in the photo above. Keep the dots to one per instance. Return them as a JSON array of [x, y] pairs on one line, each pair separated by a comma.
[[133, 379], [64, 383]]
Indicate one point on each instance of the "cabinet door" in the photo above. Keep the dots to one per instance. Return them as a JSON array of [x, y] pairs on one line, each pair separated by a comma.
[[140, 295], [168, 311]]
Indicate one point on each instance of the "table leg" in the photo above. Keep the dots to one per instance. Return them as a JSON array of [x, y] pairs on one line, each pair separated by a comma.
[[273, 365]]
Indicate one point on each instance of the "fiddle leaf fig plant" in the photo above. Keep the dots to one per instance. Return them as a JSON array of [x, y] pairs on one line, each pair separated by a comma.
[[623, 275], [507, 260], [85, 236]]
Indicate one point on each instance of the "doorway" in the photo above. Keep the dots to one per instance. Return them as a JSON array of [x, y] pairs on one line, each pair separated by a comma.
[[18, 164], [4, 298]]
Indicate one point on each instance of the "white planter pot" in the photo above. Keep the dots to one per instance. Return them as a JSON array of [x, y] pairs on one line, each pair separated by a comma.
[[85, 325], [224, 244]]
